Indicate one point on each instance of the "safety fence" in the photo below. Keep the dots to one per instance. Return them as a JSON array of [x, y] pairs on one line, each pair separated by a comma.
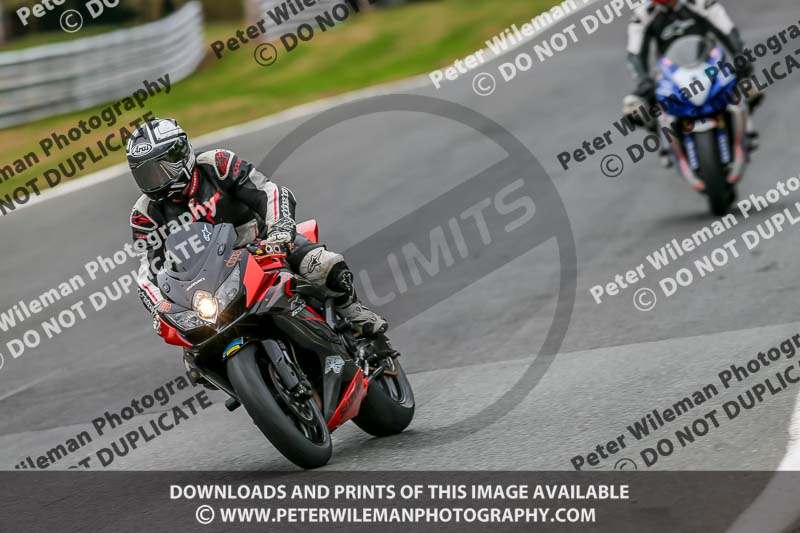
[[46, 80]]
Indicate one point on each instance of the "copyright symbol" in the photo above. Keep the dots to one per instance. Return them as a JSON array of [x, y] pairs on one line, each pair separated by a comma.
[[265, 54], [626, 464], [484, 84], [644, 300], [204, 515], [612, 166], [71, 21]]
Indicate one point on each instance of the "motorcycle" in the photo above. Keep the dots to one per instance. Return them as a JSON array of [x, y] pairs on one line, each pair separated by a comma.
[[275, 344], [703, 118], [709, 137]]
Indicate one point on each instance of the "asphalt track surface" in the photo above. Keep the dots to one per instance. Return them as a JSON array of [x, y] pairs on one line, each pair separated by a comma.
[[616, 363]]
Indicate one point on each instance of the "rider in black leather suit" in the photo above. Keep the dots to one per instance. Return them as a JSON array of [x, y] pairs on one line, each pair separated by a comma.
[[218, 187]]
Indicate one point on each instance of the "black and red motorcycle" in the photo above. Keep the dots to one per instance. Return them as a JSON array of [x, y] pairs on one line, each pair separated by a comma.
[[275, 344]]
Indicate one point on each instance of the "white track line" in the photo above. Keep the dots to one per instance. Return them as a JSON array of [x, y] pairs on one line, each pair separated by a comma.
[[791, 461], [775, 509], [23, 388]]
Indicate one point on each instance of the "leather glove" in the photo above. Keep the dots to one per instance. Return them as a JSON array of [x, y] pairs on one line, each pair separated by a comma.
[[281, 234], [646, 89], [630, 107], [744, 72], [279, 237]]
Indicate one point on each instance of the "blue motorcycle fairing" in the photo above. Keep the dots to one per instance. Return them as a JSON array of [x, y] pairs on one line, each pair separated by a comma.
[[669, 94]]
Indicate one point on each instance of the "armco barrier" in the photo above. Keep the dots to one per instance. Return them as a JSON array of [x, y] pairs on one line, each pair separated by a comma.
[[62, 77]]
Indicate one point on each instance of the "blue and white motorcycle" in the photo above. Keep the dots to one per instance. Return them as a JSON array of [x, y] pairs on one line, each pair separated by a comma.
[[703, 119]]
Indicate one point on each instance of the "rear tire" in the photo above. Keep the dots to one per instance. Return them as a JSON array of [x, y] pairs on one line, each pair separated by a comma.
[[258, 399], [721, 194], [389, 406]]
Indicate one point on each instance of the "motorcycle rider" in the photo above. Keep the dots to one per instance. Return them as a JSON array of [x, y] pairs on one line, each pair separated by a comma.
[[665, 21], [218, 187]]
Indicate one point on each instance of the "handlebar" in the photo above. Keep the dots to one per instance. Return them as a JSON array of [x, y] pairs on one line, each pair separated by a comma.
[[268, 251]]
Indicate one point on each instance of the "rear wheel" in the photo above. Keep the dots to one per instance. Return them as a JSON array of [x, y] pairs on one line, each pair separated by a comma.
[[295, 427], [714, 174], [389, 406]]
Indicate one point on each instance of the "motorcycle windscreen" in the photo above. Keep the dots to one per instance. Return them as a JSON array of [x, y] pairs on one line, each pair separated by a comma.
[[195, 260], [689, 52], [190, 248]]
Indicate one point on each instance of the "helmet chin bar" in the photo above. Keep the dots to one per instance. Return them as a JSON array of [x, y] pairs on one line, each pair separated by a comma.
[[180, 184]]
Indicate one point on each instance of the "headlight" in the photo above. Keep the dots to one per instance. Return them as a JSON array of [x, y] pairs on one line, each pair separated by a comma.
[[205, 305], [229, 289], [187, 321]]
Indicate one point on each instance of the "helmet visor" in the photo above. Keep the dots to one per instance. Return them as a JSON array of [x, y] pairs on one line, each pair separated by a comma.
[[153, 175], [161, 171]]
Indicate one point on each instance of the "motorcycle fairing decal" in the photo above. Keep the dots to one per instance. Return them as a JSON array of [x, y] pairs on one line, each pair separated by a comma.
[[351, 401], [296, 306], [233, 347], [334, 363], [233, 260], [315, 316]]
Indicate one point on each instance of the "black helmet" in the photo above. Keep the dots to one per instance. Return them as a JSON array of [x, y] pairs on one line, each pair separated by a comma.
[[161, 158]]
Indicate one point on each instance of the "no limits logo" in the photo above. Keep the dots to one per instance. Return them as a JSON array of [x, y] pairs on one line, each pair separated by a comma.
[[458, 238]]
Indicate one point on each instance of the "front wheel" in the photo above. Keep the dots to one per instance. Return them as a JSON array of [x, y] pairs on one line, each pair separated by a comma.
[[389, 406], [296, 428], [713, 173]]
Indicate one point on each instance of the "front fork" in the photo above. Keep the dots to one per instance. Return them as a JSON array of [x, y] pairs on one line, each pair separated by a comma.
[[739, 115], [278, 354], [734, 154]]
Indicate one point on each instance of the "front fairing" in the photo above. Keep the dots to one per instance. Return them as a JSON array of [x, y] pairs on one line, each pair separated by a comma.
[[202, 259], [691, 92], [198, 259]]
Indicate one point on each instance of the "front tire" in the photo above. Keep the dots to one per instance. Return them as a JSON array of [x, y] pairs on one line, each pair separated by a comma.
[[389, 406], [256, 384], [713, 173]]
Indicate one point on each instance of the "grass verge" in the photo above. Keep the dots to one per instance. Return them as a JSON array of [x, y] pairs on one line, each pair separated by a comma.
[[379, 46]]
